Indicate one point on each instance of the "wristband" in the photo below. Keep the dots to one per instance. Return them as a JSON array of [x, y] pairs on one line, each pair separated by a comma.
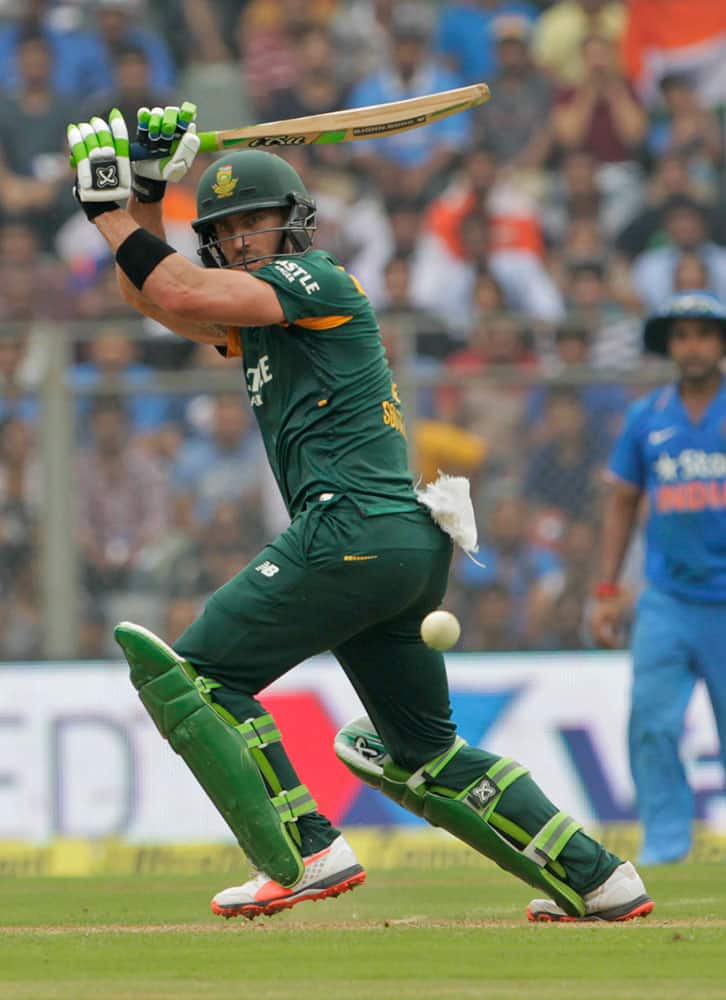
[[139, 254], [147, 189], [92, 209], [607, 590]]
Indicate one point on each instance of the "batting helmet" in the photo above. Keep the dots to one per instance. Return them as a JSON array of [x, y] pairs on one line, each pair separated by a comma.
[[246, 180], [691, 304]]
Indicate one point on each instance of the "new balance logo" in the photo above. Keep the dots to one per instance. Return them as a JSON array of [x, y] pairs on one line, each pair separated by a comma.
[[267, 568], [659, 437]]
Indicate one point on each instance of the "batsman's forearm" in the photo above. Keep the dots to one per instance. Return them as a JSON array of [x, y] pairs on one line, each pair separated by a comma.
[[148, 215], [621, 511]]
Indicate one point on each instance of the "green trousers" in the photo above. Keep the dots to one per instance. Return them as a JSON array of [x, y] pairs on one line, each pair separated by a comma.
[[358, 586]]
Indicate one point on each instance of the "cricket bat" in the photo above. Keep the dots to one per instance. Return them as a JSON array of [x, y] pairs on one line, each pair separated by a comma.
[[349, 125]]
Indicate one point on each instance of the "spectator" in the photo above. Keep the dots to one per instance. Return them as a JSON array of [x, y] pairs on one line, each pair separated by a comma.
[[686, 230], [561, 472], [21, 626], [684, 126], [691, 271], [224, 463], [564, 26], [18, 381], [465, 38], [447, 274], [19, 500], [315, 89], [119, 25], [515, 125], [666, 36], [669, 180], [489, 623], [113, 355], [121, 500], [578, 190], [26, 267], [496, 341], [412, 163], [613, 332], [266, 42], [603, 402], [133, 88], [426, 329], [584, 245], [33, 162], [530, 573], [77, 62], [601, 113]]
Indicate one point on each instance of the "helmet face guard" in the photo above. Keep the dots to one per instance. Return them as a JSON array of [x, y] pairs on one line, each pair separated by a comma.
[[298, 232], [247, 181]]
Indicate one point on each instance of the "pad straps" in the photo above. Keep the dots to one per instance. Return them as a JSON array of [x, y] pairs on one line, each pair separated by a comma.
[[547, 845], [258, 732]]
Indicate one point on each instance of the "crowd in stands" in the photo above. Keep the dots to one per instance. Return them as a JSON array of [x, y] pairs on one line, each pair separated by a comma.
[[510, 253]]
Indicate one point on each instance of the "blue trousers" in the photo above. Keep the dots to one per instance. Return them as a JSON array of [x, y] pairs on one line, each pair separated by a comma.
[[674, 643]]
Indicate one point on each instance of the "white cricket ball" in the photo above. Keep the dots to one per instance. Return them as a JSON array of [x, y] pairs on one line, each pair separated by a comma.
[[440, 630]]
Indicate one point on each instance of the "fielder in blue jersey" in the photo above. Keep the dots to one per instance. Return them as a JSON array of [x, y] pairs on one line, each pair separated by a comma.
[[672, 453]]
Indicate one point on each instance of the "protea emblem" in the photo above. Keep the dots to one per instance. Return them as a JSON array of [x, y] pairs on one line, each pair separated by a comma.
[[226, 183]]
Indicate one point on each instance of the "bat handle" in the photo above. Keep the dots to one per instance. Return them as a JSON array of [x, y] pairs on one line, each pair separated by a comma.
[[209, 143]]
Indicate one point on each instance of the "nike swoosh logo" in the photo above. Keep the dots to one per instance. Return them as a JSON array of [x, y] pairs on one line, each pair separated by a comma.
[[658, 437], [358, 558]]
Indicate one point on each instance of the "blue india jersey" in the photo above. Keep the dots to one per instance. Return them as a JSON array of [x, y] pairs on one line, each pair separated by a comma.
[[681, 466]]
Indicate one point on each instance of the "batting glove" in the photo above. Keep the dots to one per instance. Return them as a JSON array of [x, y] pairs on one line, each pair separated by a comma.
[[100, 155], [170, 136]]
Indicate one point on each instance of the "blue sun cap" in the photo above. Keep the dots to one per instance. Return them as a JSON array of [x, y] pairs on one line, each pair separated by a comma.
[[694, 303]]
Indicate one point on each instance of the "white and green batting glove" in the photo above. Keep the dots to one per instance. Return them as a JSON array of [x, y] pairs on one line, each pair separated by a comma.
[[100, 155], [170, 136]]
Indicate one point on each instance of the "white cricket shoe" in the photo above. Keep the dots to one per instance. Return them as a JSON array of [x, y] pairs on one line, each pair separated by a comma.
[[329, 872], [622, 896]]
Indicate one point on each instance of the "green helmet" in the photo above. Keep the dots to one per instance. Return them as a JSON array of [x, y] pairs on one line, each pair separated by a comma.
[[249, 179]]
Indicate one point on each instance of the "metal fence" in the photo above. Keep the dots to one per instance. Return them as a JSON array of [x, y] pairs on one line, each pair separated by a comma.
[[132, 489]]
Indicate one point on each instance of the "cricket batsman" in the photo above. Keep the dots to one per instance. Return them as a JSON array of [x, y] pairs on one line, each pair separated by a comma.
[[362, 562], [672, 454]]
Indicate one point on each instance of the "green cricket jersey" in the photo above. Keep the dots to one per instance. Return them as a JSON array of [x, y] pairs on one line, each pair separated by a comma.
[[323, 393]]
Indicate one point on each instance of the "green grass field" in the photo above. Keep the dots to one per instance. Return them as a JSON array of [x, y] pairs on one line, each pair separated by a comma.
[[447, 933]]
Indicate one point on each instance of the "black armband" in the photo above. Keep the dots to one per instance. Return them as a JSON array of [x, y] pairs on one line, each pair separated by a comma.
[[139, 255]]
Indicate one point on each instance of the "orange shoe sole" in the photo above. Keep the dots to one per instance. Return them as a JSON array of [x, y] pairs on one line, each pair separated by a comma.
[[252, 910], [547, 918]]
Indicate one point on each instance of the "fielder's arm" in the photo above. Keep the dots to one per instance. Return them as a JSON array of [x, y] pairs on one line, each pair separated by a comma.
[[621, 512]]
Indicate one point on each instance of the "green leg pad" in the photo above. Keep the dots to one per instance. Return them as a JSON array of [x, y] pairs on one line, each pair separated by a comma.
[[361, 749], [216, 753], [467, 825]]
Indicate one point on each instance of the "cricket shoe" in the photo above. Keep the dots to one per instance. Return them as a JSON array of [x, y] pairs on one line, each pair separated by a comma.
[[329, 872], [622, 896]]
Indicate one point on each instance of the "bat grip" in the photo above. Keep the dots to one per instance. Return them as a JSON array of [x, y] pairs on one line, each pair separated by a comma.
[[208, 144]]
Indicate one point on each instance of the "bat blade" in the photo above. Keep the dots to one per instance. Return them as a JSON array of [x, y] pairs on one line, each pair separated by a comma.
[[349, 125]]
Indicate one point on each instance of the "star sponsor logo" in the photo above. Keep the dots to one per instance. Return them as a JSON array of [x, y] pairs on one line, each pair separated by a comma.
[[691, 463], [666, 468]]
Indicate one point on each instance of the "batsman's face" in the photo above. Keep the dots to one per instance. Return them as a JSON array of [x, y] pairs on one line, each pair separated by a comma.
[[249, 239], [697, 347]]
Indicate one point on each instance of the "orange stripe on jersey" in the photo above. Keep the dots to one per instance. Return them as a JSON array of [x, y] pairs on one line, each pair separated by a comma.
[[358, 286], [234, 343], [322, 322]]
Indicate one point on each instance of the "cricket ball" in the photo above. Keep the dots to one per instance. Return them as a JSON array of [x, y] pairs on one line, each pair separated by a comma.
[[440, 630]]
